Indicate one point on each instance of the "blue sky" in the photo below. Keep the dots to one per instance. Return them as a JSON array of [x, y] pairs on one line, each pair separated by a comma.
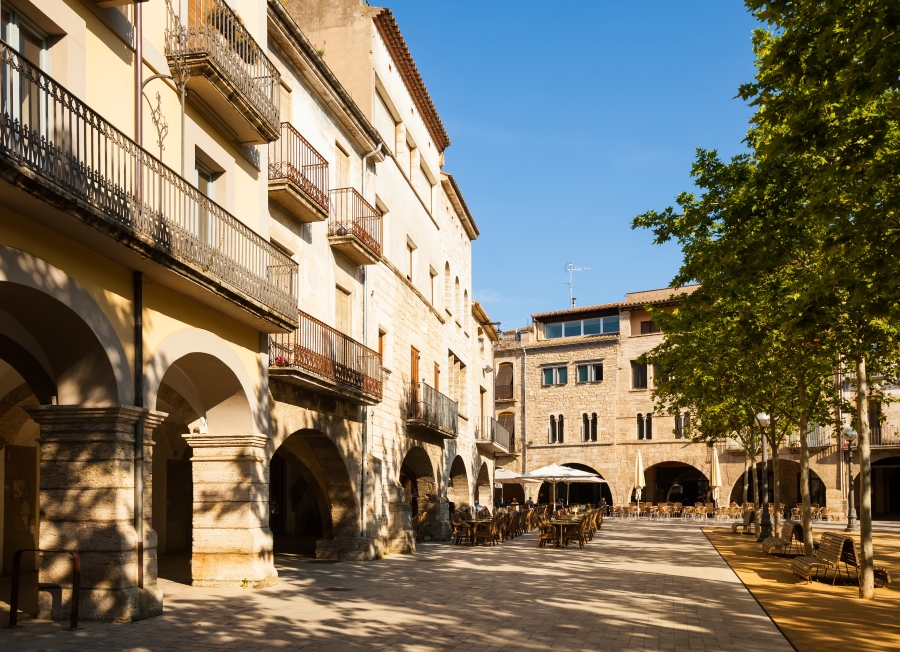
[[569, 118]]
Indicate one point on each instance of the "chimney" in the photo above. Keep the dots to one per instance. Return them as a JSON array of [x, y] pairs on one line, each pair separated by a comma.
[[573, 302]]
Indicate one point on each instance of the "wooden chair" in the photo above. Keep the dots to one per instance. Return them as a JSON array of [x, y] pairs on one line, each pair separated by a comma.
[[462, 533], [484, 531], [418, 524], [827, 556], [687, 512], [547, 534], [576, 533]]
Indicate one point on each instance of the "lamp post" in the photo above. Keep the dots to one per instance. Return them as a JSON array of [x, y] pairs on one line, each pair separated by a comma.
[[852, 524], [765, 523]]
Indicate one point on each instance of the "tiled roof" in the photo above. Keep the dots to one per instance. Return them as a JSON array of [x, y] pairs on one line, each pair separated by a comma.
[[390, 32], [565, 341], [460, 204], [577, 311]]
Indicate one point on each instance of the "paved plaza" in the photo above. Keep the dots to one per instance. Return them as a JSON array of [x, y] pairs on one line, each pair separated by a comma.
[[637, 586]]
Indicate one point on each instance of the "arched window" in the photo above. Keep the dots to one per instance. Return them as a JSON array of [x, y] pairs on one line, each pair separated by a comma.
[[448, 296], [594, 426], [640, 426], [648, 427], [560, 429], [456, 299], [682, 425], [585, 428], [552, 431]]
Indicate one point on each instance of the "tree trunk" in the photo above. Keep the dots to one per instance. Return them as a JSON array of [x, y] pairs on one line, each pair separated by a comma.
[[776, 491], [758, 516], [867, 572], [804, 477], [746, 476]]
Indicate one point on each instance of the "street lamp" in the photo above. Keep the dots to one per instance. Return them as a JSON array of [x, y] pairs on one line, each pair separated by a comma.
[[852, 525], [765, 523]]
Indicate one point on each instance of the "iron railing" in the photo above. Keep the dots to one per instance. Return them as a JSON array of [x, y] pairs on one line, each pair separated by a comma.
[[214, 30], [884, 434], [49, 131], [292, 158], [321, 349], [503, 391], [435, 410], [353, 215], [490, 430], [818, 436]]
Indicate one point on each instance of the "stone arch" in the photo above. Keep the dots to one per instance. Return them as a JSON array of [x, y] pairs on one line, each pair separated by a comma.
[[585, 493], [789, 471], [226, 388], [665, 479], [458, 483], [418, 480], [64, 342], [484, 485]]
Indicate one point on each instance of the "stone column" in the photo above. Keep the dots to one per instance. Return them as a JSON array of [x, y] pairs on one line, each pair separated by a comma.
[[232, 543], [87, 505]]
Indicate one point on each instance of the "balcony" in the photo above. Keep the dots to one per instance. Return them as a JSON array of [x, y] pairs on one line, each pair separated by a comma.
[[431, 411], [64, 166], [320, 358], [818, 438], [231, 80], [354, 227], [298, 177], [492, 437], [884, 435]]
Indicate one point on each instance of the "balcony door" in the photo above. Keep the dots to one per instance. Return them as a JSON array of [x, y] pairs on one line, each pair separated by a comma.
[[205, 180], [343, 311], [22, 99]]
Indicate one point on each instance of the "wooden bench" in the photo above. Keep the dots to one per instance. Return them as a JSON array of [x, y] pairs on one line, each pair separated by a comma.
[[827, 556], [748, 524], [791, 533], [850, 557]]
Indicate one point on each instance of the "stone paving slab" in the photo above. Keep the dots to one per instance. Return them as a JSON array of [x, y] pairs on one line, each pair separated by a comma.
[[637, 586]]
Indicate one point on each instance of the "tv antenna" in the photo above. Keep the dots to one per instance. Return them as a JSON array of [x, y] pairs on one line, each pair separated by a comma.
[[571, 268]]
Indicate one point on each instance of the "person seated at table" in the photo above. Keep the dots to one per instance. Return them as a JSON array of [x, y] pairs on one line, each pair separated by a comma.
[[514, 503], [529, 504], [477, 507]]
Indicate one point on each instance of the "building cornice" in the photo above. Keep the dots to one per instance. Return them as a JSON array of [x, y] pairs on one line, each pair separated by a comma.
[[396, 45], [459, 204], [285, 36]]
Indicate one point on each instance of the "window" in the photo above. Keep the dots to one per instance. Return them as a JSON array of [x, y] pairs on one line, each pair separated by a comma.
[[205, 180], [648, 327], [384, 120], [658, 377], [638, 375], [466, 313], [343, 310], [414, 365], [437, 376], [31, 44], [508, 421], [596, 326], [503, 382], [555, 375], [589, 373], [589, 427], [341, 167], [381, 339], [557, 429], [410, 249], [683, 426], [644, 426]]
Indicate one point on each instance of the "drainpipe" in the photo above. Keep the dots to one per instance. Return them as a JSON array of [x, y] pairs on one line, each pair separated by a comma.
[[139, 305], [524, 412], [365, 425]]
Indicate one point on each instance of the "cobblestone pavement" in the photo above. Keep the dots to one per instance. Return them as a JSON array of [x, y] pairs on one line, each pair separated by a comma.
[[636, 586]]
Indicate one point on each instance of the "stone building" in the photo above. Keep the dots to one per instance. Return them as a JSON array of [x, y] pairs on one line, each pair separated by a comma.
[[571, 390], [234, 314]]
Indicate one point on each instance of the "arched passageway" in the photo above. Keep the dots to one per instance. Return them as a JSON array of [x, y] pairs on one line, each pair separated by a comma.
[[789, 476], [484, 491], [418, 479], [312, 506], [675, 482], [579, 493], [458, 486], [885, 489]]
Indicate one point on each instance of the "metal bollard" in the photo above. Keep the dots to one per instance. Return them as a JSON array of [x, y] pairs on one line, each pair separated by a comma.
[[16, 572]]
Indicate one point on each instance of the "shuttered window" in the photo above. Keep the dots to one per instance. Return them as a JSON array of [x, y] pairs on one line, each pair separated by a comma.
[[503, 382]]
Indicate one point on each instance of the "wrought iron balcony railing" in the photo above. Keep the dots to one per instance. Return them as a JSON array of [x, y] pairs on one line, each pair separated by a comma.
[[818, 436], [293, 160], [354, 227], [216, 46], [318, 348], [489, 431], [884, 435], [49, 132], [430, 409]]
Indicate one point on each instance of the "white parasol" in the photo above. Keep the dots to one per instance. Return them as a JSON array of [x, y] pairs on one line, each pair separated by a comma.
[[715, 477], [555, 473], [639, 481]]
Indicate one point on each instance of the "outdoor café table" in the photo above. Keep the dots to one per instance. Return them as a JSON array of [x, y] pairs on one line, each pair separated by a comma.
[[561, 523], [472, 522]]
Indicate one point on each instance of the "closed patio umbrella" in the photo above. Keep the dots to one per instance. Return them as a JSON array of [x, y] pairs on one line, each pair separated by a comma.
[[715, 477], [639, 481]]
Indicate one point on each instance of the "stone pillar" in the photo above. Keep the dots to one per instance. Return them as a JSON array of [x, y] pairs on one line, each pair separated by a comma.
[[87, 505], [232, 543]]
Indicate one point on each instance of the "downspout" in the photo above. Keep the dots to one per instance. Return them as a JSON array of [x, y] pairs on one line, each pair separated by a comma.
[[365, 424], [139, 303], [524, 412]]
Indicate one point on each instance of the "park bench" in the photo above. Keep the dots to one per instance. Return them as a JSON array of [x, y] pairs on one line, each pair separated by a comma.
[[791, 533], [850, 557], [747, 525], [827, 556]]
